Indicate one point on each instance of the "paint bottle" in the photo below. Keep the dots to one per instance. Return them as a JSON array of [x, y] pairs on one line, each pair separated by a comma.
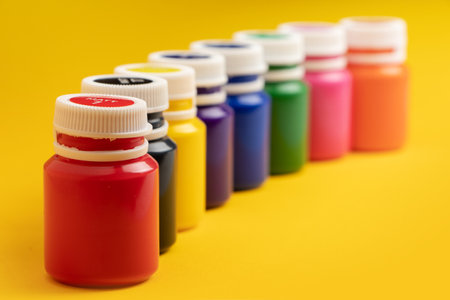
[[153, 90], [284, 52], [330, 88], [100, 193], [188, 132], [210, 78], [251, 104], [376, 57]]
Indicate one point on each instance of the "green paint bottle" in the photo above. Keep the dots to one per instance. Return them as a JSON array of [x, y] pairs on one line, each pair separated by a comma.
[[290, 97]]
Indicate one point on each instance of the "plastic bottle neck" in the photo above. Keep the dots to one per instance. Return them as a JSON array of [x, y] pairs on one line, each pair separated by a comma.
[[285, 73], [181, 109], [244, 84], [99, 149], [160, 126], [210, 95], [325, 63], [379, 56]]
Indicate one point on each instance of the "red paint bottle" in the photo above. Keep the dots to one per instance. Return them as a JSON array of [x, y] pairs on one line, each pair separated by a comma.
[[101, 193]]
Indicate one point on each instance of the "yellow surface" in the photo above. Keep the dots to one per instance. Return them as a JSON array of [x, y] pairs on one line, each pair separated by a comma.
[[190, 137], [369, 226]]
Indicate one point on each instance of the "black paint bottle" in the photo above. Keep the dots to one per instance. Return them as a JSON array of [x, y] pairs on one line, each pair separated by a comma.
[[153, 90]]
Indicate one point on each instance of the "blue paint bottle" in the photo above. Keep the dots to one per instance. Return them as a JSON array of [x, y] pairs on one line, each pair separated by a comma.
[[210, 78], [245, 66]]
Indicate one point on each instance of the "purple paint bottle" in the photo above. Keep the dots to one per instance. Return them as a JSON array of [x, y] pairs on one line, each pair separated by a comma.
[[215, 113]]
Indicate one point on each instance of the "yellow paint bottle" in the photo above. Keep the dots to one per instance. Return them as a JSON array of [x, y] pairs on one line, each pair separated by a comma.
[[188, 132]]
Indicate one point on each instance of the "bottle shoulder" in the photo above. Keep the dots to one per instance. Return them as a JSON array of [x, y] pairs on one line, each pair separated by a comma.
[[290, 87], [61, 165], [214, 112], [328, 77], [389, 70], [249, 99], [190, 126], [162, 145]]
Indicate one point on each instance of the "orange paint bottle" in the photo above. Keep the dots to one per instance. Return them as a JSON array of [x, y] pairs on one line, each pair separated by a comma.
[[376, 59]]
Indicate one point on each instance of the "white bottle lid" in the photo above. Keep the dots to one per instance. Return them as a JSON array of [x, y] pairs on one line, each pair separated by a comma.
[[375, 40], [151, 89], [242, 58], [209, 71], [325, 44], [100, 116], [280, 49], [181, 84]]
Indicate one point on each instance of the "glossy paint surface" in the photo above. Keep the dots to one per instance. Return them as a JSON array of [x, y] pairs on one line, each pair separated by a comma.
[[330, 113], [289, 129], [251, 138], [219, 121], [380, 106], [101, 221], [190, 137], [164, 152]]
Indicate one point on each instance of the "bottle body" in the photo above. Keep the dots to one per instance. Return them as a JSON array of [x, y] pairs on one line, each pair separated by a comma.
[[101, 220], [190, 137], [330, 112], [380, 98], [219, 121], [251, 138], [163, 150], [289, 125]]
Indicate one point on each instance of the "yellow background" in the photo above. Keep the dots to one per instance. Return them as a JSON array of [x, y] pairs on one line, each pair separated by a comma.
[[369, 226]]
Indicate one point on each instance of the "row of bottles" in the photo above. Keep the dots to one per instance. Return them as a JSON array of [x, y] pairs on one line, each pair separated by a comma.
[[142, 153]]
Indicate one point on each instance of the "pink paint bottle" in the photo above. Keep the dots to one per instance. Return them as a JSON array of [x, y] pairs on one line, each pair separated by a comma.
[[331, 88]]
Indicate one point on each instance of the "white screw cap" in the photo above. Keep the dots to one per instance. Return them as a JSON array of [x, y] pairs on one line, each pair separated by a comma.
[[209, 67], [242, 58], [101, 116], [209, 71], [321, 38], [279, 48], [376, 39], [153, 90], [181, 79]]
